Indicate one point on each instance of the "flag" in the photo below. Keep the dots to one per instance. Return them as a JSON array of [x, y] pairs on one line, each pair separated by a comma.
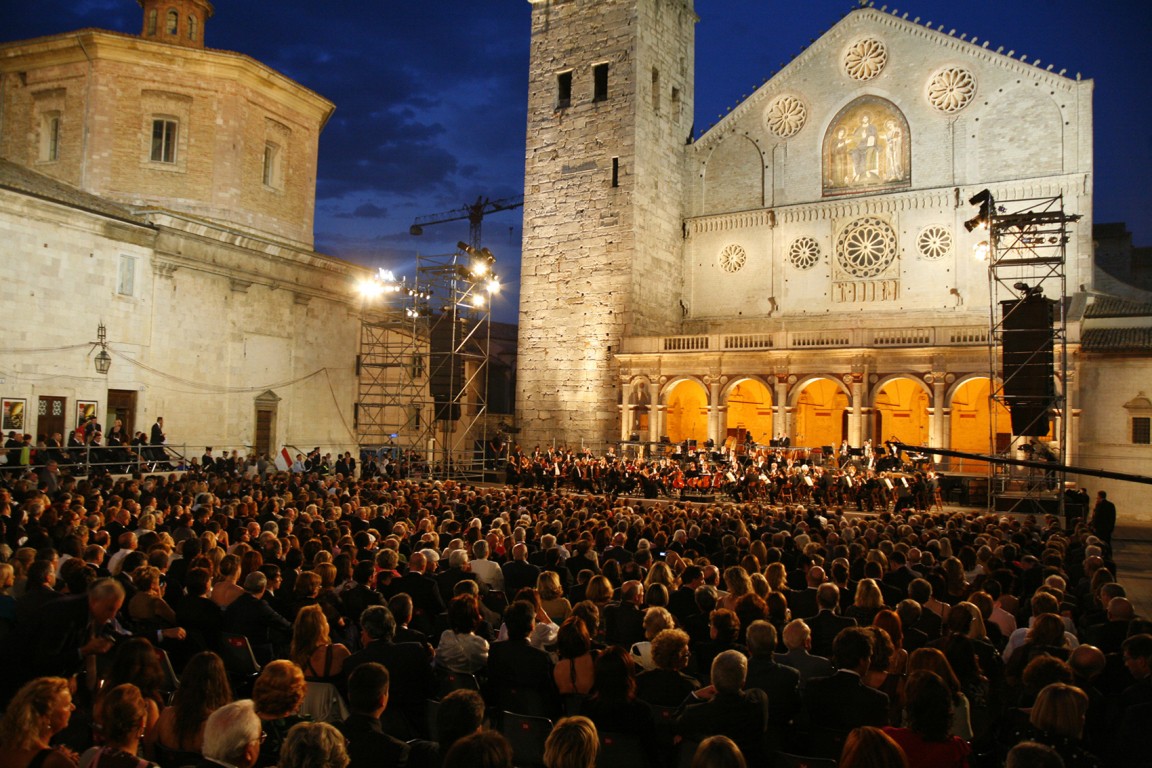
[[283, 459]]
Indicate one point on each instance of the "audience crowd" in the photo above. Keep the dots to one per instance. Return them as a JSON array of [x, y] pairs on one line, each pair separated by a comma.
[[303, 619]]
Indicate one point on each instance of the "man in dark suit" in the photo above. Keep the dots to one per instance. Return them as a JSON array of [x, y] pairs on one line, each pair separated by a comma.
[[826, 624], [835, 705], [930, 623], [781, 683], [798, 641], [426, 601], [736, 712], [624, 620], [518, 572], [803, 602], [408, 663], [682, 602], [1109, 635], [368, 745], [1103, 518], [250, 615], [520, 676], [77, 634]]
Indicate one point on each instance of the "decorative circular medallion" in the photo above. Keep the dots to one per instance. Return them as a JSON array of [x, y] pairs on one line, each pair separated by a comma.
[[786, 116], [866, 247], [934, 242], [951, 89], [804, 253], [732, 258], [865, 59]]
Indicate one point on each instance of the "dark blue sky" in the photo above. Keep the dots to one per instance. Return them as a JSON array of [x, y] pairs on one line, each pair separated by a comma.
[[431, 95]]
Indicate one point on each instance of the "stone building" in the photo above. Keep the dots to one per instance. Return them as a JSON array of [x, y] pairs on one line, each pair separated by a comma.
[[166, 190], [802, 269]]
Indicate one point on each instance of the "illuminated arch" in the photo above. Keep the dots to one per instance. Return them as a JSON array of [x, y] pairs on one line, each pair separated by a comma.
[[819, 411], [749, 401], [971, 420], [686, 409], [900, 404]]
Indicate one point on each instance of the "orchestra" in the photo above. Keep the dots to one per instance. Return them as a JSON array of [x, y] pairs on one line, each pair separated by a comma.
[[868, 478]]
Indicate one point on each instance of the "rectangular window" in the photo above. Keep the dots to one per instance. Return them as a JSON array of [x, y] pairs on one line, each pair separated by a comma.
[[50, 137], [615, 171], [192, 30], [600, 82], [272, 174], [563, 90], [163, 141], [417, 368], [655, 89], [152, 22], [676, 102], [1142, 430], [126, 280]]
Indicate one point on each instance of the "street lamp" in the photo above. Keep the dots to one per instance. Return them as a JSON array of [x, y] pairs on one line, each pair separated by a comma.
[[103, 359]]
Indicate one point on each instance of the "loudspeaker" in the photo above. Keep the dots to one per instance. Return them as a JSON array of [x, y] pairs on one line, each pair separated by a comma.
[[446, 369], [1029, 383]]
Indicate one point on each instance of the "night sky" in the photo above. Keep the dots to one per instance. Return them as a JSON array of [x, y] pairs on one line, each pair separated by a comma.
[[431, 94]]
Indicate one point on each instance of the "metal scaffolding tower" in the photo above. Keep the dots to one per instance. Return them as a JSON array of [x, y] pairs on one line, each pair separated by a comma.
[[1028, 346], [423, 365]]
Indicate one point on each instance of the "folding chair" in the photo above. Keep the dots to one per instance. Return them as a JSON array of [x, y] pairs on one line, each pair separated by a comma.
[[619, 750], [527, 736]]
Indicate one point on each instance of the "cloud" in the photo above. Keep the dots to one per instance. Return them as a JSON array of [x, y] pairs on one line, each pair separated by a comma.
[[365, 211]]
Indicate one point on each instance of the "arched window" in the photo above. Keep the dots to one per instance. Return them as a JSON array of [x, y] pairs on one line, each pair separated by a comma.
[[192, 31], [173, 22], [151, 29]]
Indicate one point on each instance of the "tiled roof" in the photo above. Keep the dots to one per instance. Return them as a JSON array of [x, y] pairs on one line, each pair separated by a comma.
[[18, 178], [1109, 306], [1116, 340]]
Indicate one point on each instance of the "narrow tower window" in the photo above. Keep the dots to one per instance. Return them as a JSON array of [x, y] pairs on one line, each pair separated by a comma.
[[173, 22], [272, 174], [655, 89], [192, 29], [600, 82], [50, 137], [151, 28], [615, 171], [564, 90], [163, 140]]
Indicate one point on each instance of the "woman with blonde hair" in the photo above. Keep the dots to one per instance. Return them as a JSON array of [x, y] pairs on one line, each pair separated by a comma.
[[227, 587], [868, 602], [739, 583], [718, 752], [656, 620], [1058, 720], [313, 745], [312, 648], [573, 743], [552, 598], [38, 711], [147, 608]]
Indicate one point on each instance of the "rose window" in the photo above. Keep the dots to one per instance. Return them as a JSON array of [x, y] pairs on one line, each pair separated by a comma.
[[865, 59], [950, 90], [866, 247], [804, 253], [786, 116], [732, 258], [934, 243]]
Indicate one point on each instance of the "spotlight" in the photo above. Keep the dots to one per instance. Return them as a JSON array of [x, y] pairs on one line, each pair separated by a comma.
[[1023, 288], [983, 198], [494, 285], [980, 250]]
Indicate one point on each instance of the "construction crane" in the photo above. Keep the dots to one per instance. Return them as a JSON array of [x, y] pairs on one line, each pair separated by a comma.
[[474, 212]]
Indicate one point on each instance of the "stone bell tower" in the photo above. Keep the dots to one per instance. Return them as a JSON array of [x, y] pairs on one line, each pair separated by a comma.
[[610, 110], [179, 22]]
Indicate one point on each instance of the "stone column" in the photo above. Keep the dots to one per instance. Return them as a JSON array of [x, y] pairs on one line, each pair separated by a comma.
[[655, 412], [936, 428], [1068, 452], [782, 413], [713, 383], [856, 429]]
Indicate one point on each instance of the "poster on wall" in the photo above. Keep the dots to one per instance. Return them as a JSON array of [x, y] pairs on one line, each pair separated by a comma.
[[85, 409], [12, 412]]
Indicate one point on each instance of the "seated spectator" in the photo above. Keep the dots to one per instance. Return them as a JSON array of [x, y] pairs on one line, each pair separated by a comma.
[[666, 685], [724, 635], [461, 714], [147, 608], [656, 620], [38, 711], [313, 650], [1029, 754], [780, 683], [232, 736], [613, 705], [1058, 721], [313, 745], [729, 709], [868, 747], [552, 598], [368, 745], [573, 743], [277, 695], [483, 749], [408, 663], [124, 713], [460, 649], [836, 704], [934, 661], [926, 741], [798, 641], [516, 669], [574, 673], [203, 689], [718, 752]]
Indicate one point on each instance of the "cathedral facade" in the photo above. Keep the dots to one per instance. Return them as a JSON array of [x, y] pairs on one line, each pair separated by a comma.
[[803, 268]]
